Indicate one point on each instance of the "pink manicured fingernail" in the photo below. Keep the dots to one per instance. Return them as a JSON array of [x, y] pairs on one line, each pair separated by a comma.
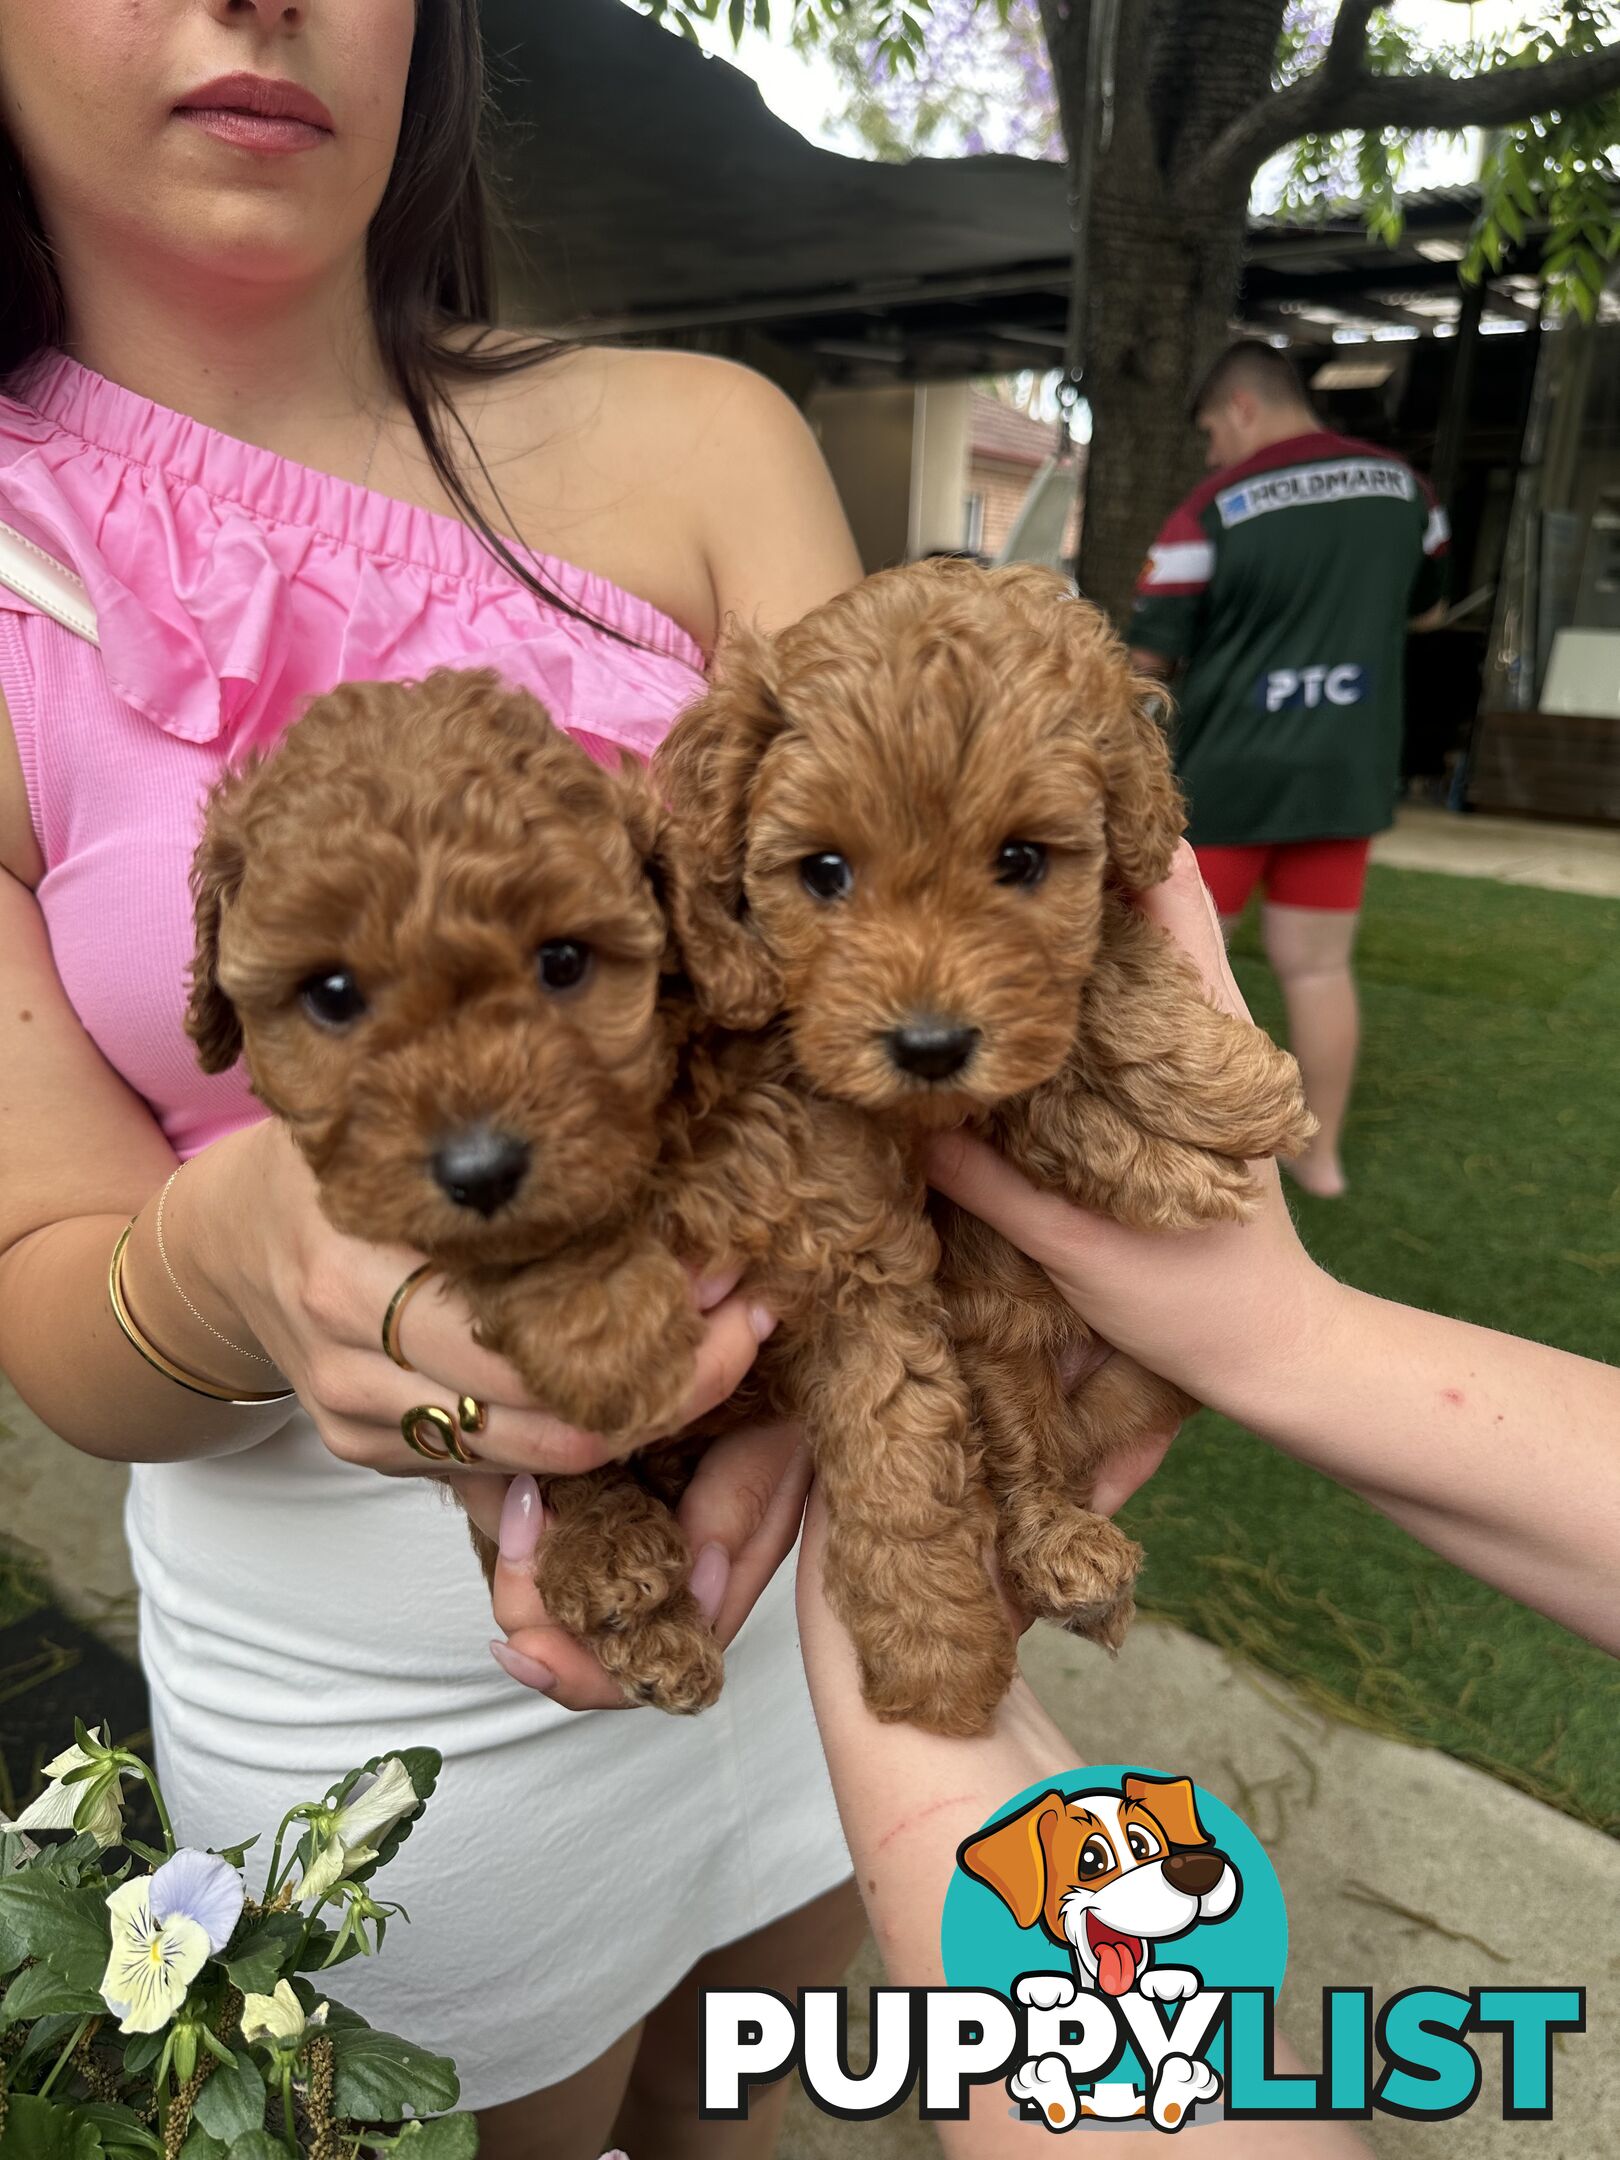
[[762, 1320], [528, 1671], [711, 1289], [711, 1571], [523, 1517]]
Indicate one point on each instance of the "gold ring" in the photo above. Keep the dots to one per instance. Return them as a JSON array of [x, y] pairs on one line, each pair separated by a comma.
[[396, 1312], [442, 1426]]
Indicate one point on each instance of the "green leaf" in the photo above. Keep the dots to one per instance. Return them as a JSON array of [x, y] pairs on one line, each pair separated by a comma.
[[67, 1929], [258, 2145], [380, 2078], [235, 1855], [445, 2137], [75, 1859], [200, 2146], [45, 2037], [40, 2130], [318, 1950], [265, 1954], [39, 1992], [231, 2102], [141, 2052], [121, 2128]]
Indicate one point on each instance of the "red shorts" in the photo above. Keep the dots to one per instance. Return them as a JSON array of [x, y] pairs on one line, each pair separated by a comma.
[[1327, 874]]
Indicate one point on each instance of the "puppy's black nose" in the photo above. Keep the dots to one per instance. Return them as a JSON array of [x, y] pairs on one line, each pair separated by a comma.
[[1195, 1872], [930, 1048], [480, 1168]]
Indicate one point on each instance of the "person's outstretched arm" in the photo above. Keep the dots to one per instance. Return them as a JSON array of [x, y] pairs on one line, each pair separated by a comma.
[[907, 1799], [1502, 1455]]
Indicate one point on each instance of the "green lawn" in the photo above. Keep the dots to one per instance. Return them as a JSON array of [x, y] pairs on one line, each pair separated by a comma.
[[1484, 1154]]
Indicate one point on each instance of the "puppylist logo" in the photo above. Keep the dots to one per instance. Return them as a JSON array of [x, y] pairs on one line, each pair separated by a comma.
[[1113, 1946]]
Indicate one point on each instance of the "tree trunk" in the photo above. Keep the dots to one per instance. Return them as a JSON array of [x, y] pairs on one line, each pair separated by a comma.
[[1158, 263], [1159, 309]]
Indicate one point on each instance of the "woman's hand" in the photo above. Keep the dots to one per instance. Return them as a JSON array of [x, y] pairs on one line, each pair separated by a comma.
[[1199, 1306], [315, 1300], [741, 1514]]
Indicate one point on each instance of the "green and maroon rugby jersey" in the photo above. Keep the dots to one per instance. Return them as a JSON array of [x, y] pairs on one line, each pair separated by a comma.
[[1285, 583]]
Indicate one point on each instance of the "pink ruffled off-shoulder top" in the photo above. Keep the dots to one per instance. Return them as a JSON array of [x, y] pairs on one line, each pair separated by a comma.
[[230, 586]]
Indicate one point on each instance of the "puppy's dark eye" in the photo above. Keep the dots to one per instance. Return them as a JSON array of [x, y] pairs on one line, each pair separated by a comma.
[[332, 998], [563, 963], [1020, 862], [828, 876], [1096, 1856]]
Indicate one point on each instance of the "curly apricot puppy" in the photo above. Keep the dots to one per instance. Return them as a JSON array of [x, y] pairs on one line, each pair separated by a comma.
[[448, 942], [928, 800]]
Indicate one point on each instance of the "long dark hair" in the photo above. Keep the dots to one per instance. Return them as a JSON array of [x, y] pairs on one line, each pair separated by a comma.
[[429, 268]]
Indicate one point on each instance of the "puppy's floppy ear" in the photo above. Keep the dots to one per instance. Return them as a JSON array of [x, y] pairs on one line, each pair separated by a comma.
[[706, 765], [1144, 816], [1010, 1858], [732, 975], [216, 878], [1126, 719], [1171, 1802]]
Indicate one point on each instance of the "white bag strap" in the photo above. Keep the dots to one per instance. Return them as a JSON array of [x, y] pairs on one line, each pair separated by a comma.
[[52, 587]]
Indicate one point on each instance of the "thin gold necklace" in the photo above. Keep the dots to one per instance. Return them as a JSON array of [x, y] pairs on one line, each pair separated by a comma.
[[376, 438]]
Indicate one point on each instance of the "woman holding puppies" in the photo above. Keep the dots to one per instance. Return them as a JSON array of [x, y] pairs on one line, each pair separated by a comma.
[[246, 398]]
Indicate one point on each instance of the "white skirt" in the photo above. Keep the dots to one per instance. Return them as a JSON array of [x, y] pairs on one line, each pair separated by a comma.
[[299, 1616]]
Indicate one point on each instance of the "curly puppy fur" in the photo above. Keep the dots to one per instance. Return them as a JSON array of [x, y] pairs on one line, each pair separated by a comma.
[[928, 801], [435, 925]]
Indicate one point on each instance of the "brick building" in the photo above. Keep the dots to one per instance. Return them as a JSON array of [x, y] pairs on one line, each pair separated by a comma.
[[1006, 448]]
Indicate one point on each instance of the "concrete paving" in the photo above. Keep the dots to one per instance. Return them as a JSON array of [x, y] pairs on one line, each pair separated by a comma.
[[1514, 851], [65, 1512]]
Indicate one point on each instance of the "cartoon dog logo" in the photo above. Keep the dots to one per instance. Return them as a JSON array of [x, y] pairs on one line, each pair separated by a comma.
[[1108, 1876]]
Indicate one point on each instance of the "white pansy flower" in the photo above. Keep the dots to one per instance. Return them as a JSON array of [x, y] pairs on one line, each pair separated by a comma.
[[57, 1805], [349, 1837], [164, 1929], [278, 2020]]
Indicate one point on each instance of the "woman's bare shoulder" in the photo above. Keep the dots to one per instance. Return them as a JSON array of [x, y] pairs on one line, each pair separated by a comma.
[[668, 470]]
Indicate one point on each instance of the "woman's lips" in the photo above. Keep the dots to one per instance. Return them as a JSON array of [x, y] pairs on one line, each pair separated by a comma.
[[257, 112], [254, 131]]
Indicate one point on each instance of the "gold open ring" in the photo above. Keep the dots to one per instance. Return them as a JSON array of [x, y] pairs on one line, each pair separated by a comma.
[[396, 1312], [427, 1419]]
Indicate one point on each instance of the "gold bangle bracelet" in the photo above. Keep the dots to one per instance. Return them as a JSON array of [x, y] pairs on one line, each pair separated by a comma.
[[154, 1356]]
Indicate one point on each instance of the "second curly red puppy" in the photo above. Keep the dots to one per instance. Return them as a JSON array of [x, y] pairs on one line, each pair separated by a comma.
[[928, 800]]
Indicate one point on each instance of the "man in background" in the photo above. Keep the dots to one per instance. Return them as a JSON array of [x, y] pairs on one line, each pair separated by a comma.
[[1281, 591]]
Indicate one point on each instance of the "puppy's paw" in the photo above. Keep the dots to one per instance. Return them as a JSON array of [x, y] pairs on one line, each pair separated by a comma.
[[1280, 1122], [668, 1662], [612, 1556], [1044, 2084], [1169, 1983], [1045, 1991], [614, 1356], [1179, 2086], [915, 1670], [958, 1701], [1073, 1567], [929, 1631]]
